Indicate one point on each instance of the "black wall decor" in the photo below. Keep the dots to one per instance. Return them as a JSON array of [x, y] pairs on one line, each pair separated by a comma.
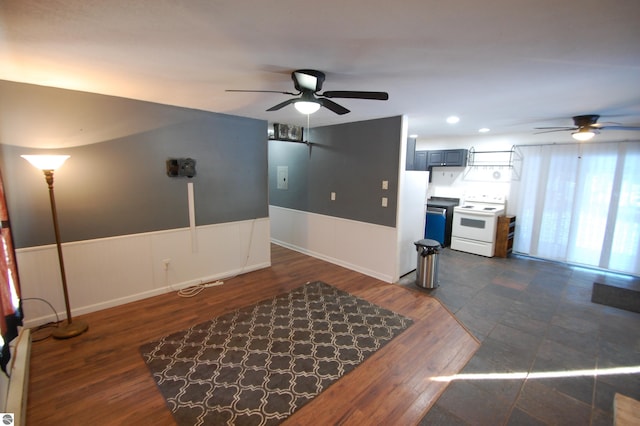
[[181, 167]]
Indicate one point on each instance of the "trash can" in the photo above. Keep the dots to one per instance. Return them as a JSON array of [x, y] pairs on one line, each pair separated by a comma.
[[427, 269]]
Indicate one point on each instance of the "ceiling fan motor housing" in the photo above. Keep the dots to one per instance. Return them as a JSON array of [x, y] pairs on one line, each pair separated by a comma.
[[585, 120], [304, 80]]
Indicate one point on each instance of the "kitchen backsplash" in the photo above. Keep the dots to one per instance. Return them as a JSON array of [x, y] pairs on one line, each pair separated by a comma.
[[457, 182]]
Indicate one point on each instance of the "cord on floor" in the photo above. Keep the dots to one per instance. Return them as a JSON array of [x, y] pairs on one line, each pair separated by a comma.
[[194, 290], [42, 326]]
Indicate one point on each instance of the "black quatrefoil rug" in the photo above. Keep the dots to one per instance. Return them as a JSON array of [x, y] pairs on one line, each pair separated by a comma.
[[257, 365]]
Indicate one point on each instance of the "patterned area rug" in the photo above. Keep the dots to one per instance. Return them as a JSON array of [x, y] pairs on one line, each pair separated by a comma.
[[259, 364]]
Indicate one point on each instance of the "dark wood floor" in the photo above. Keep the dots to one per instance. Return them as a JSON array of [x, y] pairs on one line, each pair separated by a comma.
[[100, 378]]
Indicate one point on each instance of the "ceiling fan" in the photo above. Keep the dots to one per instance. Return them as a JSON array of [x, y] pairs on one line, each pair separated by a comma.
[[308, 83], [586, 127]]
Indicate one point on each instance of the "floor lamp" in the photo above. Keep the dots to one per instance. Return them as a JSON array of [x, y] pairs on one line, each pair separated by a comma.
[[49, 163]]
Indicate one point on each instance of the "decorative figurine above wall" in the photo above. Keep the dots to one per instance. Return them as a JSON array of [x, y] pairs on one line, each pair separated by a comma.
[[177, 167], [286, 132]]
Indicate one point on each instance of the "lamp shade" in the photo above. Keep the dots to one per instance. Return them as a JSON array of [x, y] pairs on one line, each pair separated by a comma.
[[306, 107], [46, 162], [583, 135]]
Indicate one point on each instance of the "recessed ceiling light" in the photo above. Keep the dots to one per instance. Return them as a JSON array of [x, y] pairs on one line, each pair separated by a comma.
[[453, 119], [484, 130]]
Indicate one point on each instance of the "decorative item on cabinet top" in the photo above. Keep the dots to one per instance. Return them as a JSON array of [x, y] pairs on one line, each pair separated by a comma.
[[286, 132]]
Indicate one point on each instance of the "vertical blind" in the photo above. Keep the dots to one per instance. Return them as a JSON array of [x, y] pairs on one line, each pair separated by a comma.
[[580, 203]]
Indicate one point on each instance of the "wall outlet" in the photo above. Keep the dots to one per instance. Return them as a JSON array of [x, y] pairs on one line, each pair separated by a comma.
[[385, 184], [165, 263], [333, 196], [384, 201]]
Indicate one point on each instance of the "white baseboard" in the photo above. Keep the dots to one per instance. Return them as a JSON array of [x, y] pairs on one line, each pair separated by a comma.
[[34, 322], [351, 266]]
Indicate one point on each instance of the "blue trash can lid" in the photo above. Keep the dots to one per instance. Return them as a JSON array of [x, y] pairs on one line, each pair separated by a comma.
[[427, 243]]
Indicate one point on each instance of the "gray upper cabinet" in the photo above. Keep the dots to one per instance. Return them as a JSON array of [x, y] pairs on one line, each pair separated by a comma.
[[420, 160], [425, 160], [447, 158]]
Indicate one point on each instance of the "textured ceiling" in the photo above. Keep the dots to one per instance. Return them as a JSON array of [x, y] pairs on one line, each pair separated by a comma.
[[510, 65]]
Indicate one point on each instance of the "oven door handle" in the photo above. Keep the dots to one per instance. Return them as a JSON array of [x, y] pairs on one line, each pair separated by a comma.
[[436, 210], [476, 213]]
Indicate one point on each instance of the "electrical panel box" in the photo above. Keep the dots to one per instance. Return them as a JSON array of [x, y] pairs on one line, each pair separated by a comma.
[[283, 177]]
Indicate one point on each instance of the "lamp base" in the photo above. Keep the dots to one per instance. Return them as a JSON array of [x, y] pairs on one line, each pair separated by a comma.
[[66, 330]]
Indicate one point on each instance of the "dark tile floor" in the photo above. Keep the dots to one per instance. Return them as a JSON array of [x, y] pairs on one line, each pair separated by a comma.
[[533, 317]]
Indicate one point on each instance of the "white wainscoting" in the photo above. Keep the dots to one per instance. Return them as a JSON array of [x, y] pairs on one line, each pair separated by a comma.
[[359, 246], [107, 272], [16, 388]]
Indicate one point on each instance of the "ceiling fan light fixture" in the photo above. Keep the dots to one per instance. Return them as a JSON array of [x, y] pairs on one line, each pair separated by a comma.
[[306, 107], [308, 83], [583, 135]]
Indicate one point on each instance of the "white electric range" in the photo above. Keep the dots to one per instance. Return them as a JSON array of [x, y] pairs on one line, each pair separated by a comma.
[[475, 223]]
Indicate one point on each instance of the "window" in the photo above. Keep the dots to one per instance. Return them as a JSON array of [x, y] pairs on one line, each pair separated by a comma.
[[580, 203]]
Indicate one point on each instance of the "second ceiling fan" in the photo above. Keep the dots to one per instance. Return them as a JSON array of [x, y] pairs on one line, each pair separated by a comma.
[[308, 83], [585, 127]]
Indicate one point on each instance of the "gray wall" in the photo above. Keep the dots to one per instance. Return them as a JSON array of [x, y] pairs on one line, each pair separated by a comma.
[[115, 182], [350, 159]]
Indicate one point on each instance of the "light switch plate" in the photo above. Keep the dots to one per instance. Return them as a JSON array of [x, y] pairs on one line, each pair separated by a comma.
[[385, 184], [333, 196], [384, 201]]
